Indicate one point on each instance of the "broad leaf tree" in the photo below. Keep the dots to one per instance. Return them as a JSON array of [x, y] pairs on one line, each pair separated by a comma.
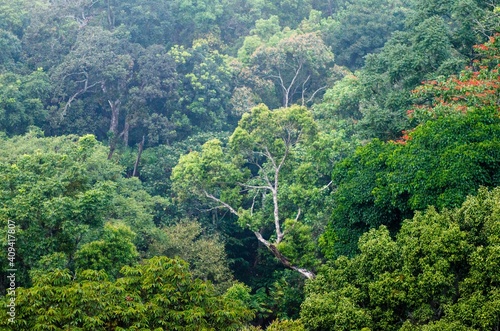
[[159, 294], [438, 274], [247, 179], [290, 62], [98, 63], [205, 253]]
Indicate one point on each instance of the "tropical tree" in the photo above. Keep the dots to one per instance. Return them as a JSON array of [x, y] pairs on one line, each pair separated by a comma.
[[436, 275], [22, 101], [114, 249], [205, 253], [159, 294], [248, 182], [289, 61]]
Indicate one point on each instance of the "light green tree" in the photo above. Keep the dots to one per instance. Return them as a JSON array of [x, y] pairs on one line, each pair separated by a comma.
[[205, 253], [159, 294], [113, 250], [247, 181]]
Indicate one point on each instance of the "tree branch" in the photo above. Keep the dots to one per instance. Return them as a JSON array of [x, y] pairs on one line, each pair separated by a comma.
[[326, 186], [312, 96], [304, 272], [260, 238], [298, 215], [256, 186], [74, 96], [304, 89], [231, 209]]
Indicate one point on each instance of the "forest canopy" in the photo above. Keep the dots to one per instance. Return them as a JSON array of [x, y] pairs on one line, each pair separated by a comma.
[[249, 165]]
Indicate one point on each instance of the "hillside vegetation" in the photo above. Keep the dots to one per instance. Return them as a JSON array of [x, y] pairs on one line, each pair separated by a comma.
[[250, 165]]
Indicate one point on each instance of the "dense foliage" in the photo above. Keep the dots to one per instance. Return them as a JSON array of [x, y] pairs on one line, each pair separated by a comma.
[[438, 274], [249, 165], [160, 294]]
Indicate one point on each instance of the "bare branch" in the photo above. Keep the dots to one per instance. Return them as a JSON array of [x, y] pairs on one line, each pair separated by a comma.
[[260, 238], [205, 210], [256, 186], [76, 73], [293, 81], [231, 209], [277, 225], [312, 96], [304, 272], [298, 215], [287, 150], [326, 186], [304, 89], [262, 172], [74, 96], [253, 204], [270, 157]]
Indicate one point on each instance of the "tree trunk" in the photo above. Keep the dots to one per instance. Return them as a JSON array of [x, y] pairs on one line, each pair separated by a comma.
[[113, 127], [111, 18], [136, 165], [125, 132], [304, 272]]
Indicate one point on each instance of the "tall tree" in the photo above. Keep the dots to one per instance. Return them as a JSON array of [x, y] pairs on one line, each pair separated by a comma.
[[291, 62], [248, 182], [436, 275], [98, 63], [22, 101]]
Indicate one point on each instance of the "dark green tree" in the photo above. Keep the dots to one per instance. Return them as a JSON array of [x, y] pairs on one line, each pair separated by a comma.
[[22, 101], [363, 27], [436, 275]]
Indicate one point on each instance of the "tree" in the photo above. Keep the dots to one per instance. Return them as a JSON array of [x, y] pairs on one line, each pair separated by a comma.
[[204, 253], [286, 325], [13, 17], [363, 27], [204, 88], [266, 142], [132, 82], [449, 112], [11, 53], [159, 294], [110, 253], [51, 196], [52, 30], [97, 63], [22, 101], [436, 275], [291, 61]]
